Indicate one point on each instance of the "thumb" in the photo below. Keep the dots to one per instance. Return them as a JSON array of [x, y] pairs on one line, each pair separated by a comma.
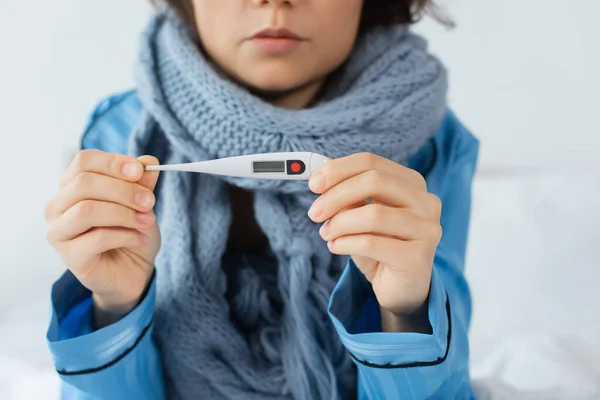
[[149, 178]]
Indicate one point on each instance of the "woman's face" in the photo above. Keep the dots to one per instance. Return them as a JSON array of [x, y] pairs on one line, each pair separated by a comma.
[[278, 46]]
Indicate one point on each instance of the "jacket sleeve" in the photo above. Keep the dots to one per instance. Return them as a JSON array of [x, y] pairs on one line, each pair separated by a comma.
[[120, 361], [413, 365]]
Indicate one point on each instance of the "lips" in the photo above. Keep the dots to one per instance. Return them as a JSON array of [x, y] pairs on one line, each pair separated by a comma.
[[277, 33], [273, 42]]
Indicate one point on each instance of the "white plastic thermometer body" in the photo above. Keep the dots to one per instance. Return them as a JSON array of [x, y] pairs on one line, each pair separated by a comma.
[[287, 166]]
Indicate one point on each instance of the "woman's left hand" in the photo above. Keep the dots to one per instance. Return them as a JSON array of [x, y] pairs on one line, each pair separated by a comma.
[[381, 214]]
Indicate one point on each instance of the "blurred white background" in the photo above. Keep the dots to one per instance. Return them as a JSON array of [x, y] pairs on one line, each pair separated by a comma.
[[524, 78]]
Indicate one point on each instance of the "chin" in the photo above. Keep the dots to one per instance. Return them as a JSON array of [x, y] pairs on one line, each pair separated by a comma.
[[274, 78]]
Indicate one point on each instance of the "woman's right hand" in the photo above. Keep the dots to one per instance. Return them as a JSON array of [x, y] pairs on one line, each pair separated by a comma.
[[103, 226]]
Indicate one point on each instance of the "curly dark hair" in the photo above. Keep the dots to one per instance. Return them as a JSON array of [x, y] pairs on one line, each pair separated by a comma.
[[375, 12]]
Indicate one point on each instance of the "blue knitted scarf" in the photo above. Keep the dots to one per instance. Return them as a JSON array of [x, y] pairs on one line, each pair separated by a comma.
[[272, 338]]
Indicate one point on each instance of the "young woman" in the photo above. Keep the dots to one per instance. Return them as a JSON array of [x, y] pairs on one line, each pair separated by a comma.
[[267, 289]]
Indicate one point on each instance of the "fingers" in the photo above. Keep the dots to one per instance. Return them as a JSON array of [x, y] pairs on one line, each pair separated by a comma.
[[341, 169], [92, 186], [89, 214], [381, 187], [380, 248], [99, 162], [89, 246], [383, 249], [380, 220], [149, 178]]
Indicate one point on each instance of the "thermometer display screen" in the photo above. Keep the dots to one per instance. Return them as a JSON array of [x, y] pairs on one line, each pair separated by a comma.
[[261, 167]]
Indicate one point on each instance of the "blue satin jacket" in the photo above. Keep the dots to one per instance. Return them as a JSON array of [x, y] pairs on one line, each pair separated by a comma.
[[121, 361]]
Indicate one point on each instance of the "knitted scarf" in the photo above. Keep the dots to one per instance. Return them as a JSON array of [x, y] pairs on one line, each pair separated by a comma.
[[258, 328]]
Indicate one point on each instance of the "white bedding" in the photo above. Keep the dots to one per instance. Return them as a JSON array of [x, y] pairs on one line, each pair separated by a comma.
[[534, 274]]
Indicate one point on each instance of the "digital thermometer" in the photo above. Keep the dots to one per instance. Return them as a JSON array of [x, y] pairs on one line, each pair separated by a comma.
[[285, 166]]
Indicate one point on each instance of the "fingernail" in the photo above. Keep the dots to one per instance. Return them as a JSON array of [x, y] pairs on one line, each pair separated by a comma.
[[316, 209], [145, 218], [131, 170], [324, 231], [144, 199], [316, 182]]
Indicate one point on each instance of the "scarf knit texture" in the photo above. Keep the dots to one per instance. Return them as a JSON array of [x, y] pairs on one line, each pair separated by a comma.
[[249, 327]]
